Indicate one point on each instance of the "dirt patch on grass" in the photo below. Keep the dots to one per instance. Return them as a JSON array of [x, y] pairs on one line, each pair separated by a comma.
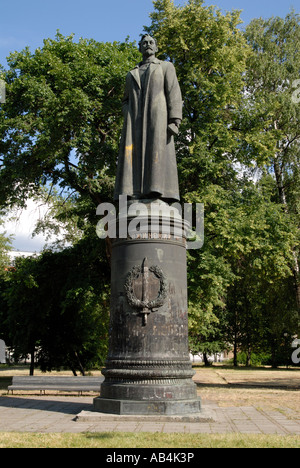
[[256, 377], [264, 398], [268, 389]]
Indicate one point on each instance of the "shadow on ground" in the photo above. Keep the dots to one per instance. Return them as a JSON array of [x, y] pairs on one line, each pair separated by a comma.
[[56, 406]]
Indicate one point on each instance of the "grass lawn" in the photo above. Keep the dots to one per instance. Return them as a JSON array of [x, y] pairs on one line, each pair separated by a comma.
[[145, 440]]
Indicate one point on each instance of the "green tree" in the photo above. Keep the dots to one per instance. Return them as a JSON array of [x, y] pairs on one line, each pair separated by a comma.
[[23, 316], [57, 307], [59, 129], [271, 117], [61, 120], [77, 280], [257, 309]]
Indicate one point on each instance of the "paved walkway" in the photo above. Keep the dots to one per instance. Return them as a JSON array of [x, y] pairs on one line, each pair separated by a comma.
[[54, 413]]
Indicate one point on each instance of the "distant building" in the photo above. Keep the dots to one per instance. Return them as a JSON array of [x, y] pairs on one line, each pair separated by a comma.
[[217, 357], [13, 254]]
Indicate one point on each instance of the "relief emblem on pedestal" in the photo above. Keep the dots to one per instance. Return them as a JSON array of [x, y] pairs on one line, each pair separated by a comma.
[[146, 288]]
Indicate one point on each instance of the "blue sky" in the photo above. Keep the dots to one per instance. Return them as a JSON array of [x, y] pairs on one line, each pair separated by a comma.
[[27, 23]]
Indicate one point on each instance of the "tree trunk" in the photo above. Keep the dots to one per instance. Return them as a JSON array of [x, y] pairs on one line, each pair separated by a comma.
[[205, 359], [82, 371], [235, 363], [248, 357], [296, 273], [31, 370], [279, 183], [274, 347]]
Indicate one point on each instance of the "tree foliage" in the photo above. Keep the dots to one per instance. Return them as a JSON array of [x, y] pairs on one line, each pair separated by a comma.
[[273, 131], [62, 117], [57, 307], [238, 154]]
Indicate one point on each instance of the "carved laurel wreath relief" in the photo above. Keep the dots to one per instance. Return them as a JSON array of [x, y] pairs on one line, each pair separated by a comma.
[[141, 281]]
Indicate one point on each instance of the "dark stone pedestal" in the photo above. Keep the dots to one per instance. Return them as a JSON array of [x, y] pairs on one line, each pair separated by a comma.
[[178, 407], [148, 370]]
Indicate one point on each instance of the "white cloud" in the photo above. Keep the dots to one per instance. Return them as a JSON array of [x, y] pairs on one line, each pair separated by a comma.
[[23, 226]]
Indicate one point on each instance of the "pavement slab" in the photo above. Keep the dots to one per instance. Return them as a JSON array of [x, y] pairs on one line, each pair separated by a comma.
[[52, 413]]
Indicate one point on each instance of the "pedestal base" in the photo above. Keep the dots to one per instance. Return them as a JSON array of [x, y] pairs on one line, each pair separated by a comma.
[[131, 407], [148, 370]]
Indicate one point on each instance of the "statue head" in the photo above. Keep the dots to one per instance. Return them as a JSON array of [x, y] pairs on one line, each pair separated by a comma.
[[148, 46]]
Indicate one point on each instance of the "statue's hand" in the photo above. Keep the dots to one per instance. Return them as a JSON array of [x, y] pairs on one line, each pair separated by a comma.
[[172, 129]]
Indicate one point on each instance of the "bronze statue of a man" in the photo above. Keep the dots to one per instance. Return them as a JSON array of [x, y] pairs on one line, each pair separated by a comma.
[[152, 109]]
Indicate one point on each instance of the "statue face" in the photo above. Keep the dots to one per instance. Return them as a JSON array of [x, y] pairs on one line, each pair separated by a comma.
[[148, 46]]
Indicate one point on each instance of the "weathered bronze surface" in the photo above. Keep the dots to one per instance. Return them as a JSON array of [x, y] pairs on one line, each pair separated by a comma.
[[152, 109]]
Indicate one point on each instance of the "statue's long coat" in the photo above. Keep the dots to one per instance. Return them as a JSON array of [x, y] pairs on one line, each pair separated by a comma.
[[147, 161]]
